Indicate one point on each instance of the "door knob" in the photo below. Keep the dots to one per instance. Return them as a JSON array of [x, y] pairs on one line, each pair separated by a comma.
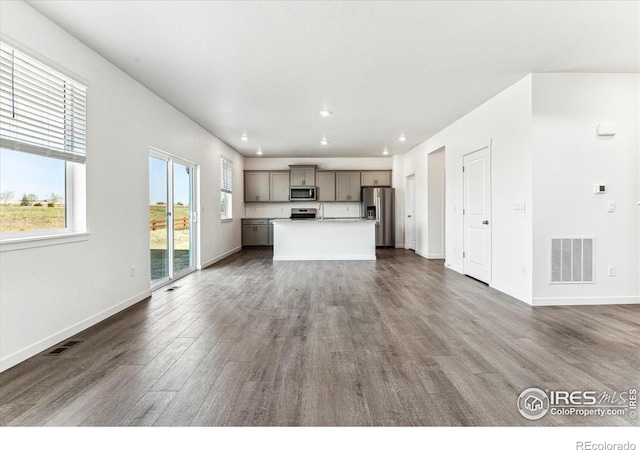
[[485, 222], [409, 215]]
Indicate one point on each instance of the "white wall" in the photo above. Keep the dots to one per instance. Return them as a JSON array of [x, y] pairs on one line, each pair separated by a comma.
[[568, 159], [435, 203], [49, 293], [399, 183], [504, 121]]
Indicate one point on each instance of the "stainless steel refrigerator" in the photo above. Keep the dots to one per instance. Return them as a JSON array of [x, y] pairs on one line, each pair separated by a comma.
[[379, 204]]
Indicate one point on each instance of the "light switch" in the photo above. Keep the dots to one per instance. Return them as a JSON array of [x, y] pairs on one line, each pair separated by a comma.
[[611, 206], [599, 188], [518, 207]]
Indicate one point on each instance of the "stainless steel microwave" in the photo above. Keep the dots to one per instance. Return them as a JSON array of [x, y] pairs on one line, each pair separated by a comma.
[[302, 193]]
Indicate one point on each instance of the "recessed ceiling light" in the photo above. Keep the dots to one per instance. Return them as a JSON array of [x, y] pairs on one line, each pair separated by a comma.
[[385, 152], [402, 137], [259, 152], [324, 141], [325, 113], [244, 137]]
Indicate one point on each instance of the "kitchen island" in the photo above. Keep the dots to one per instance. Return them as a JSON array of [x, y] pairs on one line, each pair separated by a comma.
[[324, 239]]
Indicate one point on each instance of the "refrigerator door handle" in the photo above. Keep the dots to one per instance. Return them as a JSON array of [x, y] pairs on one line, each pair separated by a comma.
[[378, 209]]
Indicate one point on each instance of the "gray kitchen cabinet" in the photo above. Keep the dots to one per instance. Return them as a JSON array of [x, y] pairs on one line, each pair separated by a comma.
[[348, 186], [255, 232], [256, 186], [376, 178], [279, 184], [326, 186], [302, 175]]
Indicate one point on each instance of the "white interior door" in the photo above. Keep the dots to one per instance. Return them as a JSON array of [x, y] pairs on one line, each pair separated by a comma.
[[477, 215], [411, 213]]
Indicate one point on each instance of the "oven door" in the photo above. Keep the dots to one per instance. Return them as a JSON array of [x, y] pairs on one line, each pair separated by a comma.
[[302, 193]]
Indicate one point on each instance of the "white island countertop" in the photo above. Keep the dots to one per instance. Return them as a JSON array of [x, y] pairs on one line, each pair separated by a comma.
[[324, 239], [331, 220]]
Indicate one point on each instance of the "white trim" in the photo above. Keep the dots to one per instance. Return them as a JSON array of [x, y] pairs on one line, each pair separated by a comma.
[[576, 301], [434, 256], [523, 297], [402, 246], [11, 245], [219, 258], [33, 349], [453, 267]]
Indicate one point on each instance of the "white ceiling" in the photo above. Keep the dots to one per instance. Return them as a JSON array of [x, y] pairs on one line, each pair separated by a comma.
[[382, 68]]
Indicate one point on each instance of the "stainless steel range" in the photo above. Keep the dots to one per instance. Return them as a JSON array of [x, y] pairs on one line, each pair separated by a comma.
[[304, 213]]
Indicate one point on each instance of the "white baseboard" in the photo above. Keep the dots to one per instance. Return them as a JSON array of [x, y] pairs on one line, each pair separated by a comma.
[[434, 256], [579, 301], [512, 292], [400, 246], [33, 349], [453, 266], [218, 258]]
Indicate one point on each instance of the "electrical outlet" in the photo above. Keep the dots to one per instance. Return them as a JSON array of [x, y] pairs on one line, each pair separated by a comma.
[[133, 271], [611, 270]]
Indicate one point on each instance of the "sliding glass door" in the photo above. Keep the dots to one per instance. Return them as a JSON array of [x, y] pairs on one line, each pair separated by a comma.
[[172, 217]]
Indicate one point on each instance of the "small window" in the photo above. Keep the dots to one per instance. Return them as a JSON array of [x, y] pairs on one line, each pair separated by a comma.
[[42, 147], [226, 189]]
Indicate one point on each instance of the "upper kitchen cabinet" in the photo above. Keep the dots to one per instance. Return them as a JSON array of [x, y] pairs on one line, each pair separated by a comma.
[[377, 178], [256, 186], [348, 186], [279, 186], [302, 175], [326, 186]]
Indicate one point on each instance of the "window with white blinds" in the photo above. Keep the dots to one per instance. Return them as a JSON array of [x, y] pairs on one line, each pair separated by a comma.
[[41, 111], [226, 188], [226, 178]]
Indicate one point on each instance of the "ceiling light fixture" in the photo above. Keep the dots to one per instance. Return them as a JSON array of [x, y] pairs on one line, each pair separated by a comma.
[[244, 137], [402, 138], [259, 152], [324, 141], [385, 151], [325, 113]]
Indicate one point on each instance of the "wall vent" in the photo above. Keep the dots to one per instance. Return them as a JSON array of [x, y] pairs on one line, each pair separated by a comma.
[[572, 260]]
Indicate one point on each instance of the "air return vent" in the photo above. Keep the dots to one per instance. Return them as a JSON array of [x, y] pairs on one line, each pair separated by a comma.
[[572, 260]]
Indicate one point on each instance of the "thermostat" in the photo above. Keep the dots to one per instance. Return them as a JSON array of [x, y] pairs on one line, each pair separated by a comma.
[[599, 188]]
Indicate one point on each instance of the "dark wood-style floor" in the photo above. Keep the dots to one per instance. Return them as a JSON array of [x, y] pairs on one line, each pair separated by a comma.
[[398, 341]]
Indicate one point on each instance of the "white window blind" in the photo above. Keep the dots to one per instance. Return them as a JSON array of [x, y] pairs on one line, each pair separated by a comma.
[[226, 178], [41, 111]]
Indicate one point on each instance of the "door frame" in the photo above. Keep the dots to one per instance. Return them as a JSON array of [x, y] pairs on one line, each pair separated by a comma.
[[490, 213], [170, 159], [407, 220]]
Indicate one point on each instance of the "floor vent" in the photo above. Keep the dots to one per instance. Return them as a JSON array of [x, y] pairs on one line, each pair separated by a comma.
[[572, 260], [172, 288], [63, 348], [57, 351]]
